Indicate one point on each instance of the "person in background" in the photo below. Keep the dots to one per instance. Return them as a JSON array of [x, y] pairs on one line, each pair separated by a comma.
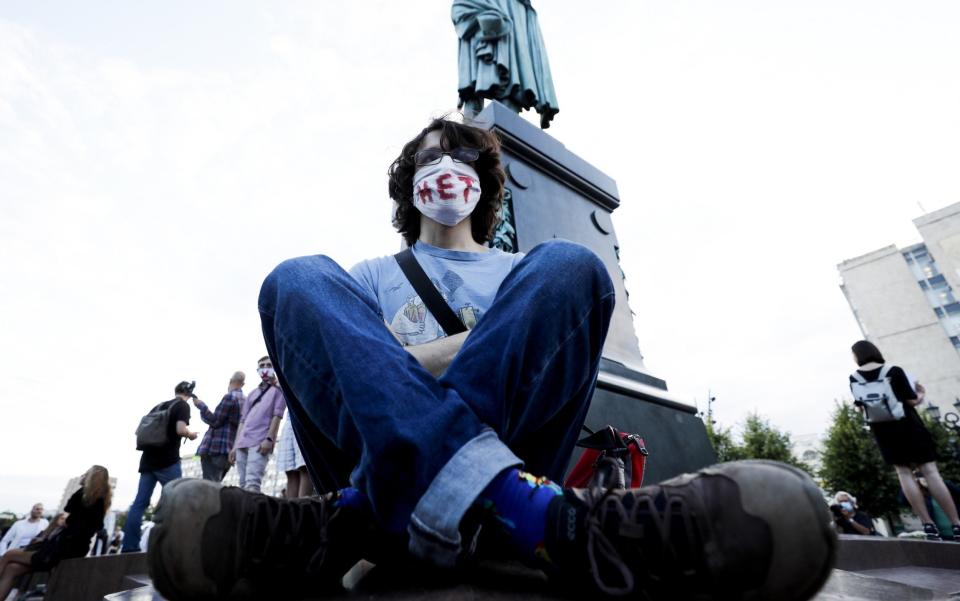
[[848, 518], [906, 443], [260, 418], [214, 450], [159, 464], [86, 509], [116, 541], [290, 461], [23, 531], [56, 525], [936, 512]]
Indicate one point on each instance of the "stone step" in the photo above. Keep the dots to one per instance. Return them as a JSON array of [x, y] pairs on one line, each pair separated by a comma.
[[90, 578], [869, 569], [860, 553], [143, 593], [851, 586]]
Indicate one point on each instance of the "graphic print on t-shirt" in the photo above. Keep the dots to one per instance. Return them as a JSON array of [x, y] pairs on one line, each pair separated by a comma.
[[414, 324]]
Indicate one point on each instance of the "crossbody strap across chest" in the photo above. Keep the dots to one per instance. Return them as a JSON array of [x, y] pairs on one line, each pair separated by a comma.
[[428, 293]]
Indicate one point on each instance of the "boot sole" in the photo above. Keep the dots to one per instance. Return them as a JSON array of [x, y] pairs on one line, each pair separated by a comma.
[[821, 538], [174, 558]]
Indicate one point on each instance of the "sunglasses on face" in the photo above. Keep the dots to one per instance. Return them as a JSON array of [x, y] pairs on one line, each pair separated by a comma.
[[432, 156]]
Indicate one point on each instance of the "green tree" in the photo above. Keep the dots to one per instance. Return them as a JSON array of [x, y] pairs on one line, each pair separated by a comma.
[[851, 461], [762, 440], [723, 444], [947, 445]]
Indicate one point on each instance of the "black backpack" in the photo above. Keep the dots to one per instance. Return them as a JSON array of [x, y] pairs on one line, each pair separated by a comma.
[[154, 428]]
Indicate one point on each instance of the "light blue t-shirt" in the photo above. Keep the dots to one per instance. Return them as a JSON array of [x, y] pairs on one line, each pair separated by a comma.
[[468, 281]]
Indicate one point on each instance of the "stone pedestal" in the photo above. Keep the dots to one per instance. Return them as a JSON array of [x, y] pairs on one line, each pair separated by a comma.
[[553, 193]]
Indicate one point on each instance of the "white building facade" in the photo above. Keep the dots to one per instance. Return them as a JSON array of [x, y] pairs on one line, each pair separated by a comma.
[[905, 303]]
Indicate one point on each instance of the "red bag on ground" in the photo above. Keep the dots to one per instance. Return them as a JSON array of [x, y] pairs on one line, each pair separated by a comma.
[[629, 455]]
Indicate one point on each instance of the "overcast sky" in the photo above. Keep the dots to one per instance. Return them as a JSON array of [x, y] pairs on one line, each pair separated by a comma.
[[158, 159]]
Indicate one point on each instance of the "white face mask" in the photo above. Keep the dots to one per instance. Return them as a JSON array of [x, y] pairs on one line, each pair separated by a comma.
[[446, 192], [266, 373]]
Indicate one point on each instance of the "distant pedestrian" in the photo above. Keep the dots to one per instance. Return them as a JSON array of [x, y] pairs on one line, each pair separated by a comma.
[[159, 463], [889, 401], [56, 524], [260, 418], [290, 461], [116, 541], [214, 450], [85, 509], [23, 531]]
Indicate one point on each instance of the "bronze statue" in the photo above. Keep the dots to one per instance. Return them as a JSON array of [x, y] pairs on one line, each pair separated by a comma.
[[502, 57]]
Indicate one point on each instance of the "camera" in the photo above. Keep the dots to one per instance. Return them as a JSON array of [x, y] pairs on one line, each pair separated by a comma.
[[186, 388]]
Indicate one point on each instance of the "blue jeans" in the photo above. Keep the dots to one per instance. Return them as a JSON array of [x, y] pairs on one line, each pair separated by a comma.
[[148, 481], [422, 448]]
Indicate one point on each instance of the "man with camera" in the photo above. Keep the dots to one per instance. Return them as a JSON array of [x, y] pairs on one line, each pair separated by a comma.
[[260, 418], [160, 463], [848, 518]]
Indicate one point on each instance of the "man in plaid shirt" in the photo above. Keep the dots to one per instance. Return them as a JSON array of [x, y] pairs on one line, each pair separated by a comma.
[[223, 422]]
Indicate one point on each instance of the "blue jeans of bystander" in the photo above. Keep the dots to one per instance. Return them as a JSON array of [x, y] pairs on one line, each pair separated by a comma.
[[148, 481]]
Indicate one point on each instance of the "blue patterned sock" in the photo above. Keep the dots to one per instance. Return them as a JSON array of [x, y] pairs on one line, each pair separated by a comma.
[[517, 503], [353, 498]]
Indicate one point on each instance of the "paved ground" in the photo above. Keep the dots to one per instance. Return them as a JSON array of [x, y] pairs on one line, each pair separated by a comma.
[[507, 582], [869, 568]]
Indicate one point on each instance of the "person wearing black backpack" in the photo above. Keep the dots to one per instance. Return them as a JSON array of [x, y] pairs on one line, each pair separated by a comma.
[[160, 461], [429, 428], [888, 400]]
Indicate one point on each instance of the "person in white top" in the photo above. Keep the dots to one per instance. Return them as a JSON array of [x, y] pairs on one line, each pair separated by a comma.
[[23, 531]]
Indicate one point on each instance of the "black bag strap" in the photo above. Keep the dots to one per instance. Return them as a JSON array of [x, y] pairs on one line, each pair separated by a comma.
[[429, 294], [263, 392]]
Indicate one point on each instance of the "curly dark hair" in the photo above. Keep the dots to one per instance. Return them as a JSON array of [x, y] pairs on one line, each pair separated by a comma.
[[486, 215]]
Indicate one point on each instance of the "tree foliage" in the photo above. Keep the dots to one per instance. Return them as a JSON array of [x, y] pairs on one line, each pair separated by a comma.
[[760, 440], [723, 444], [851, 461], [946, 441]]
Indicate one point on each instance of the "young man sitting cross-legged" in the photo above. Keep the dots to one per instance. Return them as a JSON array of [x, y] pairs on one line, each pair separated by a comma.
[[424, 436]]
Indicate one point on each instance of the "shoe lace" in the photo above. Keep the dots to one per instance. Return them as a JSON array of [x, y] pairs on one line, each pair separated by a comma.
[[654, 531], [281, 534]]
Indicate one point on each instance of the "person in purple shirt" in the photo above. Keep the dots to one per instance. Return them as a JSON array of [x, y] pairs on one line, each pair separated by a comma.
[[260, 417], [223, 422]]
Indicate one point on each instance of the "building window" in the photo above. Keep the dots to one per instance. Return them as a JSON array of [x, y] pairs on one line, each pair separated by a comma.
[[936, 289], [921, 263]]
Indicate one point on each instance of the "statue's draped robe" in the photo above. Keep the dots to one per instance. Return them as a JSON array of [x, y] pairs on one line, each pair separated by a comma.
[[508, 62]]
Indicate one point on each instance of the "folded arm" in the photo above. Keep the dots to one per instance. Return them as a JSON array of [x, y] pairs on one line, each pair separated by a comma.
[[437, 355]]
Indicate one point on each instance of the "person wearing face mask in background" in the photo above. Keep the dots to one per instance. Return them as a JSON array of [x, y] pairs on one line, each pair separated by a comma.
[[425, 438], [849, 519], [260, 417]]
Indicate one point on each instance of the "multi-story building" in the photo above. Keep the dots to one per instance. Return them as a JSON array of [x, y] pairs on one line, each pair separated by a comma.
[[904, 301]]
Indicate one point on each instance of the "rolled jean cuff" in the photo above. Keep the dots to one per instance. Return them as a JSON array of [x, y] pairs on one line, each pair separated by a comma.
[[435, 524]]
